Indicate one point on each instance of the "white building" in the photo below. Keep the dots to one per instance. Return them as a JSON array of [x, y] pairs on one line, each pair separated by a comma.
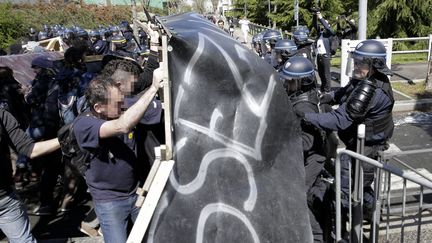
[[224, 5]]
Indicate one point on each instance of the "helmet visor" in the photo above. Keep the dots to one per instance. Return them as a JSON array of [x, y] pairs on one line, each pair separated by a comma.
[[290, 84], [358, 67]]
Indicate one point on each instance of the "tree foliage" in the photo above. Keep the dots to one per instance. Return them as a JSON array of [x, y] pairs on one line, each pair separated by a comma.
[[11, 25], [386, 18]]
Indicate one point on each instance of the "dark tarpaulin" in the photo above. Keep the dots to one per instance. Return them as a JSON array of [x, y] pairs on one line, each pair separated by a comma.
[[239, 173], [21, 64]]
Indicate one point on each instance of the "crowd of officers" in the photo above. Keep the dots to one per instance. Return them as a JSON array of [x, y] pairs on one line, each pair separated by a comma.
[[118, 39], [112, 109], [366, 99]]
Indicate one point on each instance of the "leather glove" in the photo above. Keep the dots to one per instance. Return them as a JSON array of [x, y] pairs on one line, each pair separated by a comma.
[[326, 99]]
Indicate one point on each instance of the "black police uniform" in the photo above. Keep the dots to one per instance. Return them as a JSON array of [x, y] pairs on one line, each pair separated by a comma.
[[377, 116], [300, 71], [100, 47], [305, 50]]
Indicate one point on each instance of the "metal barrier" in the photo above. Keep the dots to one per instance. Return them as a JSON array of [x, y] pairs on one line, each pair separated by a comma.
[[256, 28], [354, 228], [428, 38]]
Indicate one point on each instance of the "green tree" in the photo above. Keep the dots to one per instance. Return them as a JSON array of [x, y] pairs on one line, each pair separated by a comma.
[[396, 18], [11, 25]]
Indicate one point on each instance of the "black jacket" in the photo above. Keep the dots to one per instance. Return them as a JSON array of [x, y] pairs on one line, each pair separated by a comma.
[[10, 136]]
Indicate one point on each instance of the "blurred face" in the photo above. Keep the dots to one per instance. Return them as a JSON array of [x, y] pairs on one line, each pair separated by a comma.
[[125, 81], [112, 109], [221, 25], [361, 69]]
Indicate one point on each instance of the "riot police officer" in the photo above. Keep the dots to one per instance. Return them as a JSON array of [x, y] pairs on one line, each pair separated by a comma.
[[298, 77], [256, 43], [270, 37], [42, 35], [304, 46], [367, 98], [98, 46], [33, 35], [143, 37], [119, 47], [284, 49]]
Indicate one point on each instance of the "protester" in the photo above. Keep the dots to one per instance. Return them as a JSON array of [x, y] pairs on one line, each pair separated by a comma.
[[221, 25], [244, 23], [14, 221], [44, 123], [323, 49], [108, 135]]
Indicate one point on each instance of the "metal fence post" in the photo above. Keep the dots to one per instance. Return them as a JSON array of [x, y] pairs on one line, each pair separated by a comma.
[[430, 47], [356, 233]]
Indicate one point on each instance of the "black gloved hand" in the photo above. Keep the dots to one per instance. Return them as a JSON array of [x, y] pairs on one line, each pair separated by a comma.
[[326, 98], [314, 10], [300, 114]]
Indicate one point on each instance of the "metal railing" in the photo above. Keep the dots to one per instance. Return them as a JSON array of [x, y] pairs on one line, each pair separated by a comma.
[[354, 220], [427, 38], [256, 28], [423, 183]]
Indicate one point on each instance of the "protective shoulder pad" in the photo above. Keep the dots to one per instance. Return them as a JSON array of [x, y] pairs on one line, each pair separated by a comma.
[[360, 99]]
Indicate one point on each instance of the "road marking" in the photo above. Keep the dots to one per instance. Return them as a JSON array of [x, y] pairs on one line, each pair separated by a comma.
[[409, 97]]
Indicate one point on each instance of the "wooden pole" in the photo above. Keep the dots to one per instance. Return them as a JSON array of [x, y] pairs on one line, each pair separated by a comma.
[[134, 18]]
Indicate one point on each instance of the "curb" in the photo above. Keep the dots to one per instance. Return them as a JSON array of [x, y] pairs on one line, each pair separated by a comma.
[[411, 105]]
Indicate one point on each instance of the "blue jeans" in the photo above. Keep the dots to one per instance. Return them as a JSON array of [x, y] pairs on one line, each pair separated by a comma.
[[14, 221], [113, 217]]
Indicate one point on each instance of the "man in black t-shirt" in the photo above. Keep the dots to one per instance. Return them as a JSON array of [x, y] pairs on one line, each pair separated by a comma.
[[14, 221], [109, 136]]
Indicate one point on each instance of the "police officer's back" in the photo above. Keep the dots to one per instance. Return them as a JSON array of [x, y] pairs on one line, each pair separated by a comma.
[[304, 46], [298, 76]]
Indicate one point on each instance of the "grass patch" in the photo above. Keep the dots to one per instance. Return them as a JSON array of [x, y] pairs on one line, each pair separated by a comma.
[[416, 90], [396, 58]]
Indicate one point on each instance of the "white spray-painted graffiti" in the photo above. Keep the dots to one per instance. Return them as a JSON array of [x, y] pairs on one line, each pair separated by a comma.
[[233, 148]]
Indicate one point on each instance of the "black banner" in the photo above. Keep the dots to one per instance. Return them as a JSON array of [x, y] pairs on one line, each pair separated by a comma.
[[239, 172]]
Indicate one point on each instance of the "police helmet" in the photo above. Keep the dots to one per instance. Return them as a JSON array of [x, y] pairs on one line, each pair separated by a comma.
[[58, 32], [372, 53], [81, 33], [124, 25], [95, 34], [297, 74], [119, 41], [285, 48], [303, 28], [46, 28], [300, 36], [369, 49], [42, 35], [68, 34], [272, 36], [115, 30], [257, 38]]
